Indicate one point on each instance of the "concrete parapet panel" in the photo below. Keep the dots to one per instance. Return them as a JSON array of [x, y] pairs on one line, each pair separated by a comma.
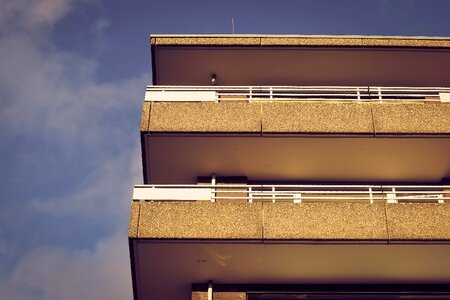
[[220, 296], [418, 221], [207, 41], [145, 116], [200, 220], [316, 117], [355, 42], [205, 117], [309, 41], [412, 118], [134, 220], [324, 221]]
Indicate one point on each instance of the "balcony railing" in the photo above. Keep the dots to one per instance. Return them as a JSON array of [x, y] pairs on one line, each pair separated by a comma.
[[296, 93], [293, 193]]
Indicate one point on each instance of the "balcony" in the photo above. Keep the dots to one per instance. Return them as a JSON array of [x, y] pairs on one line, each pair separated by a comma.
[[297, 212], [260, 234], [312, 134]]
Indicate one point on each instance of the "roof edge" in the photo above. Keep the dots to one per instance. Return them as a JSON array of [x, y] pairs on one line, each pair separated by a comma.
[[229, 35], [298, 40]]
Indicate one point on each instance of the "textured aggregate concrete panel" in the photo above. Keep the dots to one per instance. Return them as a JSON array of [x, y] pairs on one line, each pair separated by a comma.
[[418, 221], [200, 220], [298, 41], [205, 41], [395, 42], [412, 118], [145, 116], [325, 221], [355, 42], [289, 40], [205, 117], [219, 296], [316, 117], [134, 220]]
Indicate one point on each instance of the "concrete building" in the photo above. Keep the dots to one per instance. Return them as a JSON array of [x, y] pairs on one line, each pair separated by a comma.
[[294, 167]]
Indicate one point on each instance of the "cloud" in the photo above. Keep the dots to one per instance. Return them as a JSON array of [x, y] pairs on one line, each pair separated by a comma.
[[32, 14], [58, 273], [73, 142], [54, 96], [46, 11]]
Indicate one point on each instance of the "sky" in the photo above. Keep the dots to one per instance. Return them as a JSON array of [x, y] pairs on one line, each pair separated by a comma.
[[72, 82]]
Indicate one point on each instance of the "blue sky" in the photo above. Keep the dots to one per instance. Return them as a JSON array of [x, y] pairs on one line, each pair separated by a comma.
[[72, 80]]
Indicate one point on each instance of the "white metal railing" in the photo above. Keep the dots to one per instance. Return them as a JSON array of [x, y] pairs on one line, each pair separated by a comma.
[[293, 193], [296, 93]]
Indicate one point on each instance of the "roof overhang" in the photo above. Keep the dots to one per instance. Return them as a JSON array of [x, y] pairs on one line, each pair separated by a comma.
[[300, 60]]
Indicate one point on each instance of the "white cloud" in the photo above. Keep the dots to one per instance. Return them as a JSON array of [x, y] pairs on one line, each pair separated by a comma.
[[31, 15], [46, 11], [51, 98], [58, 273], [54, 95]]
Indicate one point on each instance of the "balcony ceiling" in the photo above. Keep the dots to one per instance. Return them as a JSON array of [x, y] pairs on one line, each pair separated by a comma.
[[300, 65], [178, 159], [166, 270]]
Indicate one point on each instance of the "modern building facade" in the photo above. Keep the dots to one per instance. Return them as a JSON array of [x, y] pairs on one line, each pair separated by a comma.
[[294, 167]]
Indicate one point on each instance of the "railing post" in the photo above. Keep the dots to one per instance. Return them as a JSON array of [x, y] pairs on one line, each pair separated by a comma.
[[213, 190], [392, 197], [379, 95], [370, 195], [358, 94], [250, 195], [271, 92], [250, 93], [298, 198], [273, 194]]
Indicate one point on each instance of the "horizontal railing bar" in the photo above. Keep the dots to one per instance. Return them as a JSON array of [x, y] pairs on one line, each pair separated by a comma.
[[291, 186], [295, 193], [292, 93], [218, 87]]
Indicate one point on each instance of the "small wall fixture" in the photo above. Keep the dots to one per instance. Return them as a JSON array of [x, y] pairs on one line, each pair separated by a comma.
[[213, 79]]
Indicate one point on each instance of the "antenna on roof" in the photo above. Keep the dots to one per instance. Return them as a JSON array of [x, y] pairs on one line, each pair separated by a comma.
[[232, 25]]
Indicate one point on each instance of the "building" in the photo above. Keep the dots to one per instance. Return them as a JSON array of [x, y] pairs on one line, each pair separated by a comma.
[[293, 167]]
